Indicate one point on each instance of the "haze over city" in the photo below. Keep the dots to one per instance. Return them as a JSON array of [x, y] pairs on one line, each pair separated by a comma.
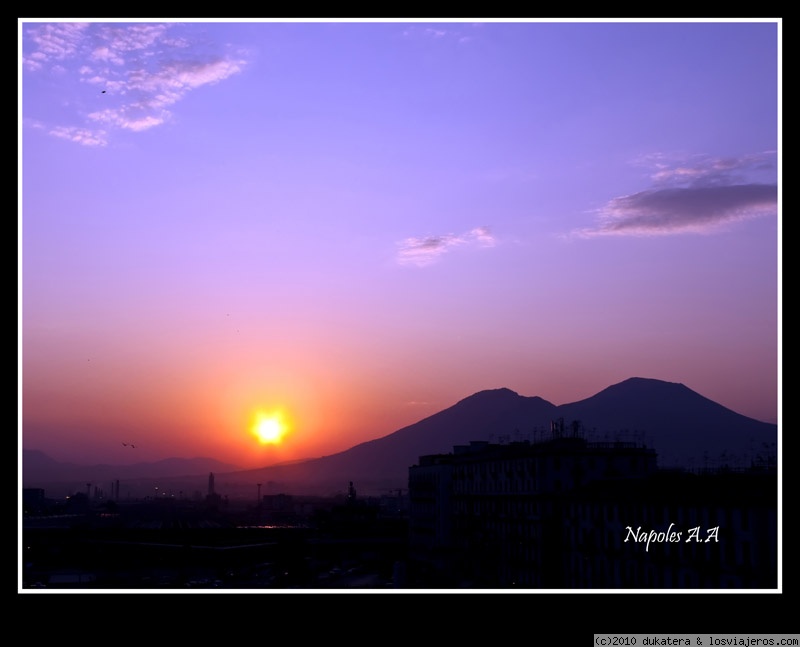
[[265, 241]]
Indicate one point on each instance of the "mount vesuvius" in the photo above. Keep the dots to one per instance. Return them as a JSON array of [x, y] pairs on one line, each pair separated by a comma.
[[685, 428]]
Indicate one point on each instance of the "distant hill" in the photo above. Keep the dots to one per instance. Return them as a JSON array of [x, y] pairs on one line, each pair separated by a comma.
[[685, 428], [38, 469]]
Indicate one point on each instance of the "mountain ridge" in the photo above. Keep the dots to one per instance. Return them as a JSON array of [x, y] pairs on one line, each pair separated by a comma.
[[35, 462], [686, 429]]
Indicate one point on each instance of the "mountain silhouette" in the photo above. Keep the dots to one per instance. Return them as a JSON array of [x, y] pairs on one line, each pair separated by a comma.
[[685, 428]]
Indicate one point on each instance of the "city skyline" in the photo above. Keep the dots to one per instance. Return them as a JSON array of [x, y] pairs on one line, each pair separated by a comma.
[[339, 228]]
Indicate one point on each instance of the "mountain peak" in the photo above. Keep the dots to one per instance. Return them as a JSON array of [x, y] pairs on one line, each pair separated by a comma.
[[501, 392], [489, 396], [645, 381], [634, 386]]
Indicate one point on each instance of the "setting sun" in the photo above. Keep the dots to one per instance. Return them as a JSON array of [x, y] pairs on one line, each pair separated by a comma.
[[269, 428]]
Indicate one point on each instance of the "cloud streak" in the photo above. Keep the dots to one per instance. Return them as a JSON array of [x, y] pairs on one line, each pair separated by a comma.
[[421, 252], [439, 32], [700, 197], [142, 69]]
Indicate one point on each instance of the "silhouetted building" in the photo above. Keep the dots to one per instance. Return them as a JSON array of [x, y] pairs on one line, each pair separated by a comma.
[[431, 518], [555, 514], [212, 498], [483, 515]]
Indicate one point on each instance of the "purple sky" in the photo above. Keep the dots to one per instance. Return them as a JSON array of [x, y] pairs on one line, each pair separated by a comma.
[[354, 225]]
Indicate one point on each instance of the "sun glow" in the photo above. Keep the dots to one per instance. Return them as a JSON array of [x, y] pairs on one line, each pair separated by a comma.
[[269, 428]]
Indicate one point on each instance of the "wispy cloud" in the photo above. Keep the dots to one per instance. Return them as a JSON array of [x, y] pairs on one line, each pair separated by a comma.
[[421, 252], [702, 195], [81, 135], [437, 31], [53, 43], [142, 70]]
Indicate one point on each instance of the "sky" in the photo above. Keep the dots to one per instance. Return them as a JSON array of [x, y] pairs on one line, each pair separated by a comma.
[[340, 228]]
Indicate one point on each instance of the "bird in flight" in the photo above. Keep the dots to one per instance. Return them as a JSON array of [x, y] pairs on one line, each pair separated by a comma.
[[131, 445], [103, 92]]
